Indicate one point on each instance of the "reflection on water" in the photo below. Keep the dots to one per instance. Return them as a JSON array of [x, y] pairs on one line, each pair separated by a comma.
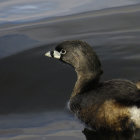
[[116, 29], [35, 89]]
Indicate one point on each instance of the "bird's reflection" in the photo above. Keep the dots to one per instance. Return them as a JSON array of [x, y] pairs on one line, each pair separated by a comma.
[[102, 135]]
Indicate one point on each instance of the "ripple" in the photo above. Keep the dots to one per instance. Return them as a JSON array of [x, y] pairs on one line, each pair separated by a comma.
[[23, 10]]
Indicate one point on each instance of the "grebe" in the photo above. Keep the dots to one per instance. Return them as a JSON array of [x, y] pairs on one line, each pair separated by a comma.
[[109, 105]]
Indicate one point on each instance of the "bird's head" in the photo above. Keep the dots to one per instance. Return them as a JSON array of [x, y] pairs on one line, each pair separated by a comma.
[[78, 54]]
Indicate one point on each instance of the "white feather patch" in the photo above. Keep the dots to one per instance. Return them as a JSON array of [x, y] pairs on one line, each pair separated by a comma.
[[135, 115]]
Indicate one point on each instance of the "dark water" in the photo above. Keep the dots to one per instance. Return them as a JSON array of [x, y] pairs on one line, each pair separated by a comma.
[[34, 89]]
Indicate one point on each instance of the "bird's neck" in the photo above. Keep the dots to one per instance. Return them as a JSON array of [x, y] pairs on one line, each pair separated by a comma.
[[85, 81]]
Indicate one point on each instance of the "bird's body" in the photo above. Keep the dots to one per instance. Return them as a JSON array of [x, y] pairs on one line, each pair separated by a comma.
[[102, 108], [111, 105]]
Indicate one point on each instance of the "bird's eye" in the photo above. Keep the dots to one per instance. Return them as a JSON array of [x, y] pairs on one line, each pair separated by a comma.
[[63, 51]]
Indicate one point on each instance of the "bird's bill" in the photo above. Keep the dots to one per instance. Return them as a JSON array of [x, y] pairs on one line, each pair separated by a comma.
[[54, 54]]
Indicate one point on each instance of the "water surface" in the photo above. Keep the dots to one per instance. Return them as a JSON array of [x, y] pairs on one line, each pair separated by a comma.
[[35, 89]]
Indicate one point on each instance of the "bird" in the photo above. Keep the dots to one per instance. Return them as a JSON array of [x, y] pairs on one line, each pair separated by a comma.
[[112, 105]]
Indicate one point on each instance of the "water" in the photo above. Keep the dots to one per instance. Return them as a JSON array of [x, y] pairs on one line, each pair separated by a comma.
[[35, 89], [14, 11]]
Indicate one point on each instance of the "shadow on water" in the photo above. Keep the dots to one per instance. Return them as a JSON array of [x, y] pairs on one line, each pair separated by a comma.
[[28, 79], [102, 135]]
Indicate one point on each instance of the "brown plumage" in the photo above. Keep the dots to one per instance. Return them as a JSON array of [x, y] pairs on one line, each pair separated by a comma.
[[110, 105], [110, 115]]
